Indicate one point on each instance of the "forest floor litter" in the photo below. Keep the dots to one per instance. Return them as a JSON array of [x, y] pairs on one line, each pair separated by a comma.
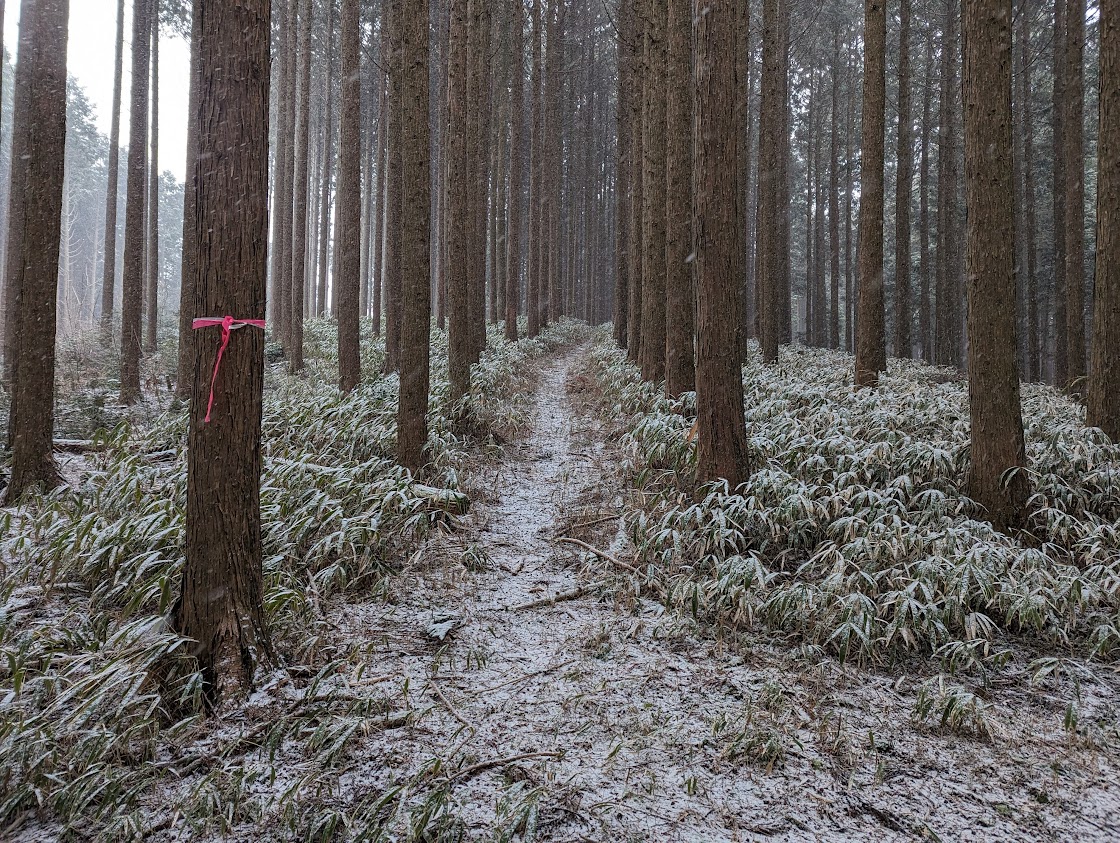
[[513, 681]]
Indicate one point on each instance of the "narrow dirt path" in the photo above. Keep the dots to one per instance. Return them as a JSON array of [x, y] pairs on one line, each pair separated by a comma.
[[603, 718]]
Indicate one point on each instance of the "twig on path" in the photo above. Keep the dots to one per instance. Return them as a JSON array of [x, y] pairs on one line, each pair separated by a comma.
[[596, 522], [602, 554], [482, 766], [525, 676], [447, 704], [570, 594]]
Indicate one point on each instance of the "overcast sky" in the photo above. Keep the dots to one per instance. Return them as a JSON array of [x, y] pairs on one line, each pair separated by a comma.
[[90, 59]]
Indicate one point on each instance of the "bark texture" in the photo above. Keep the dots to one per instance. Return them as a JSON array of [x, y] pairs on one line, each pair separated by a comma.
[[151, 295], [17, 188], [721, 427], [925, 305], [219, 606], [871, 341], [349, 201], [947, 343], [997, 477], [461, 127], [132, 296], [300, 189], [624, 151], [770, 143], [652, 354], [834, 203], [516, 169], [536, 172], [1104, 371], [903, 312], [638, 71], [281, 258], [392, 221], [415, 256], [680, 367], [1073, 103], [43, 142], [109, 266]]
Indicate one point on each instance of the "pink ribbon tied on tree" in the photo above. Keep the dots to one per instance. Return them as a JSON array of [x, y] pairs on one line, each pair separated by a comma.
[[228, 324]]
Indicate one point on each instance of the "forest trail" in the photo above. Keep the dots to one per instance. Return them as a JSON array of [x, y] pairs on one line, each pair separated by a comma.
[[609, 719]]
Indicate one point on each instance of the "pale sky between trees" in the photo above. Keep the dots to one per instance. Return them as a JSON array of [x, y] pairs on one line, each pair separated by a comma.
[[90, 60]]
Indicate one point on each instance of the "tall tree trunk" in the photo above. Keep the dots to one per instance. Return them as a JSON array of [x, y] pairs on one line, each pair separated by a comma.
[[722, 447], [1029, 271], [925, 312], [461, 128], [349, 201], [1058, 196], [849, 189], [17, 189], [551, 304], [392, 222], [516, 169], [478, 57], [750, 272], [416, 219], [369, 226], [151, 299], [109, 265], [624, 151], [499, 176], [653, 197], [770, 143], [947, 342], [742, 98], [535, 187], [871, 341], [133, 292], [819, 261], [219, 605], [3, 208], [810, 336], [285, 163], [785, 187], [637, 168], [327, 175], [300, 188], [680, 366], [188, 269], [903, 311], [834, 200], [377, 234], [1073, 151], [40, 141], [1104, 371], [997, 477]]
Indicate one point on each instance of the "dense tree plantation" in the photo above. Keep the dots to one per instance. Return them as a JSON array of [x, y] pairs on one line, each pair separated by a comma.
[[560, 420]]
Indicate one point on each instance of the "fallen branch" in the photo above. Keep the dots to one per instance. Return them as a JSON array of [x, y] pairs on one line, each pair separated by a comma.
[[525, 676], [482, 766], [570, 594], [602, 554], [596, 522], [447, 704]]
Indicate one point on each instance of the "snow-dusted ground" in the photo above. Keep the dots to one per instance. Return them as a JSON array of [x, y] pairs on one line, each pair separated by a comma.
[[600, 716], [603, 718]]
